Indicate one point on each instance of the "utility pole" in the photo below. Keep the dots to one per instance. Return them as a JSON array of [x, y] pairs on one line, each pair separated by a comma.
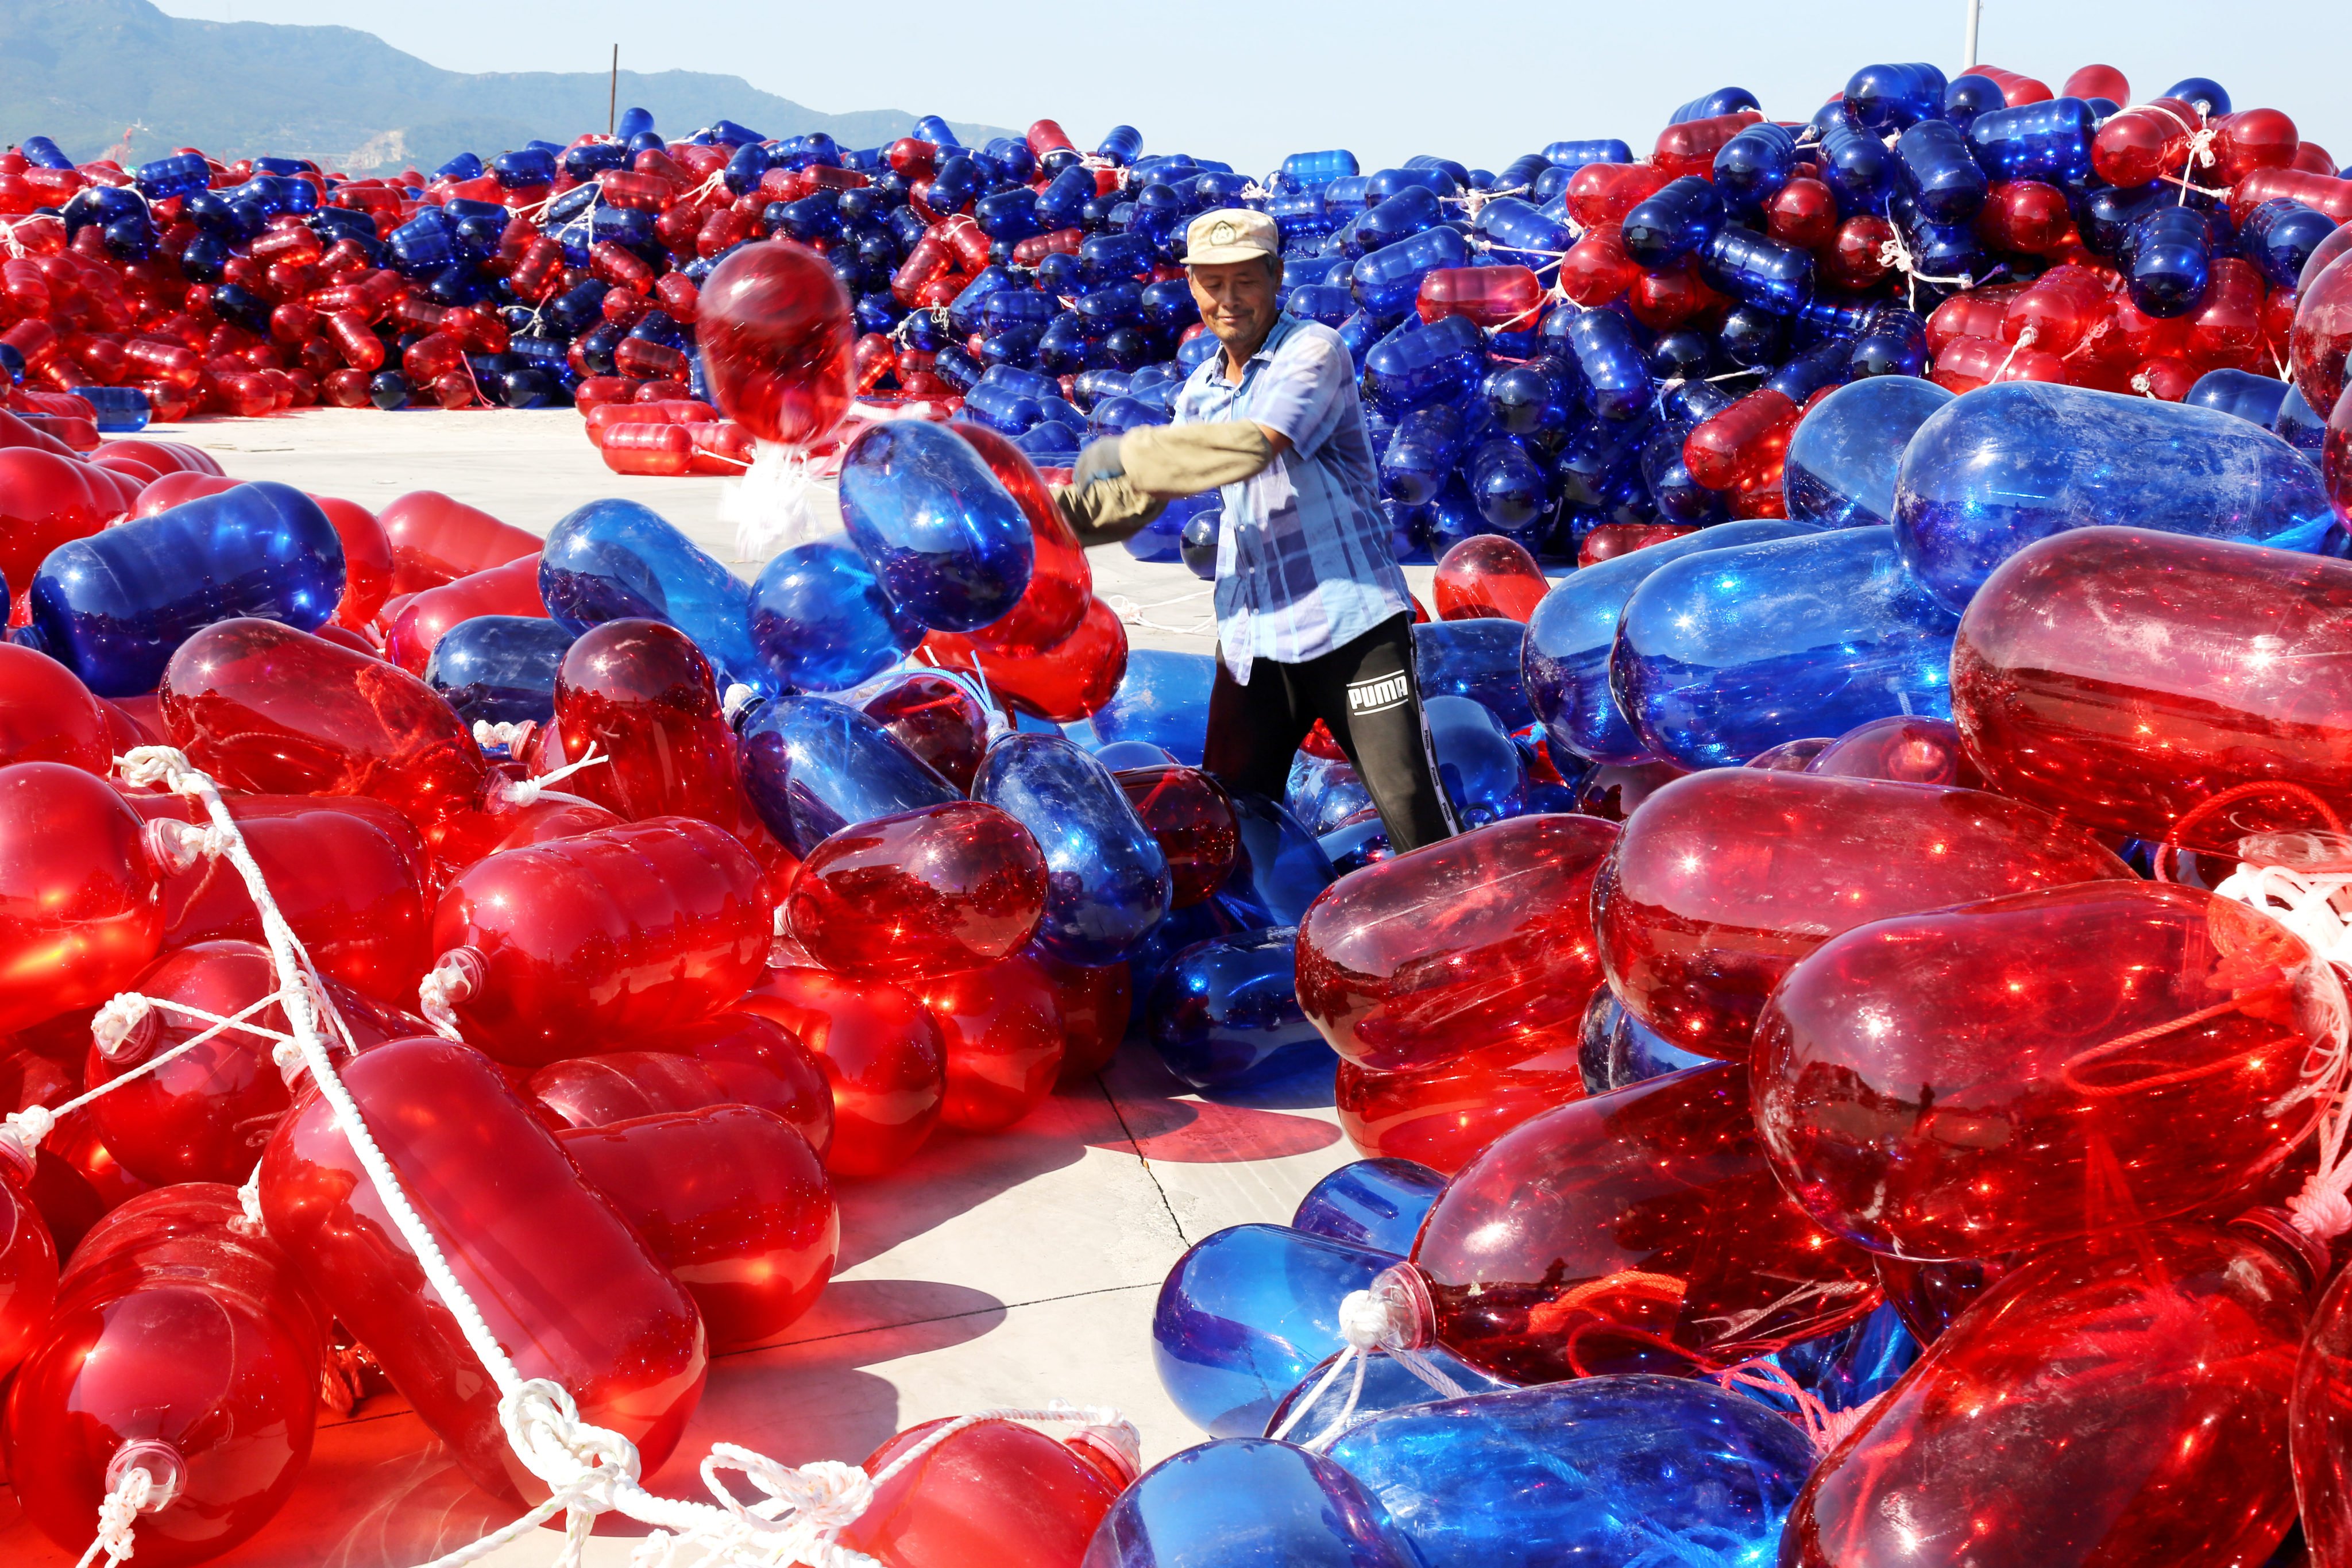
[[1976, 13], [613, 100]]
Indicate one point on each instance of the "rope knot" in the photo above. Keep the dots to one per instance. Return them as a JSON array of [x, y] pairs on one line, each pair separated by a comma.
[[826, 1495], [521, 793], [27, 1129], [456, 975], [2321, 1212], [119, 1509], [1370, 1322], [584, 1462], [121, 1024], [1101, 1427], [503, 735], [1838, 1425], [2304, 902], [248, 1198], [145, 766], [178, 846]]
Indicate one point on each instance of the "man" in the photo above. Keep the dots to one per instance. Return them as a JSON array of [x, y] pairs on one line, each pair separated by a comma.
[[1314, 620]]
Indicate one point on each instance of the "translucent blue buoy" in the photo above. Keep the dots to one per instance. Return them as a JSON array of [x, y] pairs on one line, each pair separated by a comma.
[[1564, 661], [1634, 1468], [947, 542], [2008, 464], [615, 560], [499, 669], [1724, 653], [1108, 884], [1226, 1012], [821, 622], [1246, 1314], [1245, 1502], [1842, 462], [1371, 1202], [115, 606], [812, 767]]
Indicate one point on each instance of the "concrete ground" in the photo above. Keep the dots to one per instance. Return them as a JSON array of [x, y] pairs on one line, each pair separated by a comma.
[[1010, 1269]]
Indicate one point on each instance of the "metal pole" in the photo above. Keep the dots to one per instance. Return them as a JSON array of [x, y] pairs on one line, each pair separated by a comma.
[[613, 102], [1976, 15]]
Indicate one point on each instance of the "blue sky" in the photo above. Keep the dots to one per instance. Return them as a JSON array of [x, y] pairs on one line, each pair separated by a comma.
[[1248, 80]]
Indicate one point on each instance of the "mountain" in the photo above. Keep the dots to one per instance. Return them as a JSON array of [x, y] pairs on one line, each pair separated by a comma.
[[83, 72]]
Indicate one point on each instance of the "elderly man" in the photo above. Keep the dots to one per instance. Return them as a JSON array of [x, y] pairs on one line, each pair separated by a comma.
[[1314, 620]]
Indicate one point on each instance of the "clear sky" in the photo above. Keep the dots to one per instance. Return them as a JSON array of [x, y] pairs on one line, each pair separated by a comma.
[[1249, 81]]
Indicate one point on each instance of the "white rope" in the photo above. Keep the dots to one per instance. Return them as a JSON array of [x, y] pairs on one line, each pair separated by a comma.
[[2199, 155], [1136, 614], [588, 1469], [1488, 243], [454, 977], [505, 735], [1473, 199], [526, 792], [779, 503], [130, 1497], [2024, 340], [2304, 902], [1894, 253], [28, 1129], [1373, 1319]]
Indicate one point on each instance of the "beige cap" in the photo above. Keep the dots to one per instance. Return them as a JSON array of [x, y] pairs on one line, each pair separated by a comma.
[[1230, 234]]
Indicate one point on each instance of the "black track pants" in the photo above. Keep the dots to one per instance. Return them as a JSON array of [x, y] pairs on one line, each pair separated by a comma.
[[1364, 691]]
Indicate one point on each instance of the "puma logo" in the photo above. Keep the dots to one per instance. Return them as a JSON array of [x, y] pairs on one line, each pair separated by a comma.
[[1379, 694]]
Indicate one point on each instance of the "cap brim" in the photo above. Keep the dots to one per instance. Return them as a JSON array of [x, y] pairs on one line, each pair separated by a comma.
[[1217, 255]]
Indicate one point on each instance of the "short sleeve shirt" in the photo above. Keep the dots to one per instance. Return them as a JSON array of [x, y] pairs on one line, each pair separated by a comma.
[[1304, 559]]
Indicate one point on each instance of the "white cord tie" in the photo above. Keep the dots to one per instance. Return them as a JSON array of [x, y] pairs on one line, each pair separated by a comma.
[[1894, 253], [503, 735], [118, 1511], [178, 846], [144, 767], [1372, 1319], [2303, 902], [449, 982], [544, 1426], [1370, 1322], [1137, 615], [112, 1027], [779, 503], [2024, 340], [248, 1198], [521, 793], [2302, 899], [28, 1129]]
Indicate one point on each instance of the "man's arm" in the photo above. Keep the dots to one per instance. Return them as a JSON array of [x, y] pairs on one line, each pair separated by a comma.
[[1122, 482]]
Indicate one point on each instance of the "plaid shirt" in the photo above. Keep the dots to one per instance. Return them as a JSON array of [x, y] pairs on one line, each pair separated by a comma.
[[1304, 559]]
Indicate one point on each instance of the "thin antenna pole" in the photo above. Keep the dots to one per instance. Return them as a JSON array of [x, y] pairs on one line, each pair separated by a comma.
[[613, 102], [1976, 15]]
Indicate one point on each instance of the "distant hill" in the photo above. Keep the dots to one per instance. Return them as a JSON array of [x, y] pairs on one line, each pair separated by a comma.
[[85, 71]]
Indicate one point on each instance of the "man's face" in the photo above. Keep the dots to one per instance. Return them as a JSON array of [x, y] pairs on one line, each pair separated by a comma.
[[1237, 300]]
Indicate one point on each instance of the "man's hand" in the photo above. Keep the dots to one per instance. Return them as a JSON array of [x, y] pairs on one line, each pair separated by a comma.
[[1105, 510]]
